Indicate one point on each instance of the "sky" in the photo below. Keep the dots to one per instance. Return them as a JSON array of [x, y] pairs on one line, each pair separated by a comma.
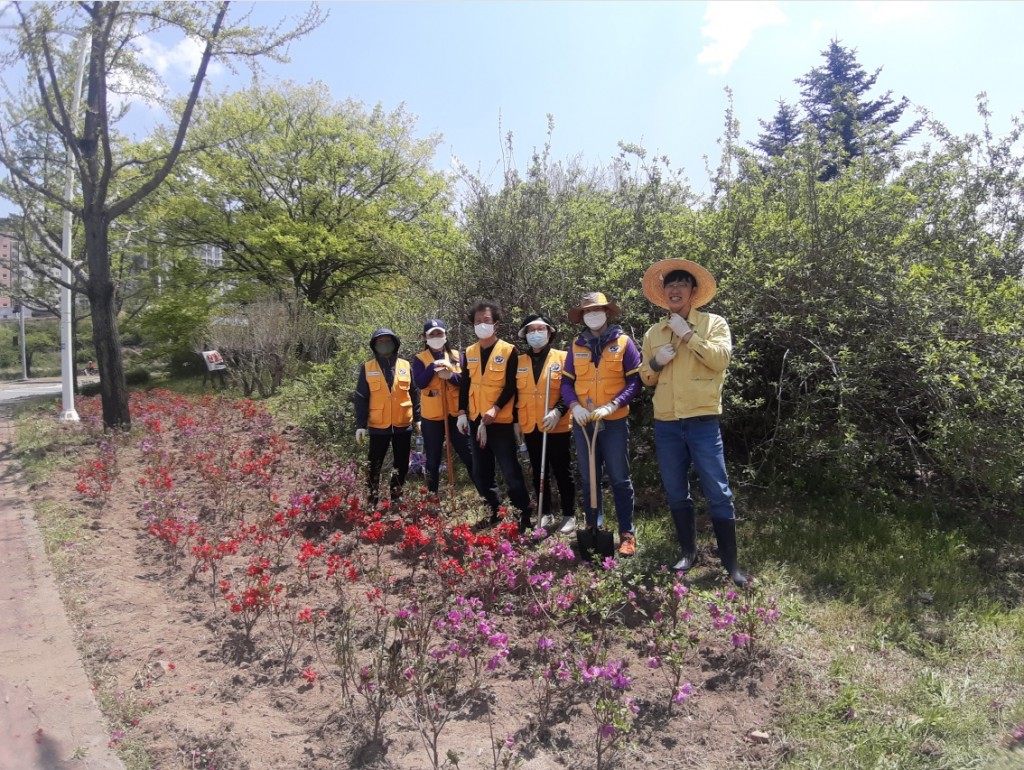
[[647, 73]]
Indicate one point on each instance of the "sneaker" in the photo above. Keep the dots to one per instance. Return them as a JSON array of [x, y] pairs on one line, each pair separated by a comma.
[[568, 525], [627, 544], [547, 522]]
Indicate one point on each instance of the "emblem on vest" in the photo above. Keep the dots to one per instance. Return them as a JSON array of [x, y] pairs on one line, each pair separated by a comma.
[[614, 349], [556, 367], [499, 359]]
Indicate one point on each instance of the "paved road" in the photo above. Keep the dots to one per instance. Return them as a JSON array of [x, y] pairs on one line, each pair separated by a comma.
[[13, 391]]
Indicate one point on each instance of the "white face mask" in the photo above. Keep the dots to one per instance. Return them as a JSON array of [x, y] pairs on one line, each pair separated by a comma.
[[484, 331], [595, 319], [436, 343], [537, 339]]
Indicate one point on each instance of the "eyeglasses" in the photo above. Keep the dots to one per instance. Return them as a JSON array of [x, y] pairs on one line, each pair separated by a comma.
[[679, 285]]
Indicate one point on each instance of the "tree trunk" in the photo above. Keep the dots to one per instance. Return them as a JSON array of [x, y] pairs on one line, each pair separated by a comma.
[[105, 337]]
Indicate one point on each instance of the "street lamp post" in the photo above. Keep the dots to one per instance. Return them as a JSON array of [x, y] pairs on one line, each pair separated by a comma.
[[67, 347]]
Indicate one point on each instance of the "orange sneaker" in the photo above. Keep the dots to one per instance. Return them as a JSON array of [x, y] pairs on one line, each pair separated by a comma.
[[627, 544]]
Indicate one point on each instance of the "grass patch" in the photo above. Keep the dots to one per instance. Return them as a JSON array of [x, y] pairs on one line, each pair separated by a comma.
[[911, 652]]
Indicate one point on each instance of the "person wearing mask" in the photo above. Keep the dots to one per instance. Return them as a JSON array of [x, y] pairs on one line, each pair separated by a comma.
[[387, 410], [542, 412], [685, 356], [437, 373], [600, 378], [486, 412]]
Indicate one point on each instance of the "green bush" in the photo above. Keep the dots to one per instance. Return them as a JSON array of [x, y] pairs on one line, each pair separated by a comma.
[[137, 376]]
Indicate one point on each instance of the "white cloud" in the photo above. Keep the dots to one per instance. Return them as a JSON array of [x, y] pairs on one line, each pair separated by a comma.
[[729, 28], [180, 59]]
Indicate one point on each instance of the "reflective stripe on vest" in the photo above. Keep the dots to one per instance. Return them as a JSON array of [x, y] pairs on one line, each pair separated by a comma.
[[601, 383], [389, 408], [432, 397], [530, 393], [485, 387]]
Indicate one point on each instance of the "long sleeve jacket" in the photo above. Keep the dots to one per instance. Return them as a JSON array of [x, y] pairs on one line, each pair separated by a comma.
[[691, 384]]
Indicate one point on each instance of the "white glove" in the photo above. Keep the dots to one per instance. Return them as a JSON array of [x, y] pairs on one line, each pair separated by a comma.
[[665, 354], [442, 370], [481, 435], [361, 434], [551, 419], [602, 411], [581, 414], [678, 325], [463, 424], [518, 430]]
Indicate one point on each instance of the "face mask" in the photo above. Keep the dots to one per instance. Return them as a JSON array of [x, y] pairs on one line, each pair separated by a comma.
[[385, 348], [484, 331], [596, 319], [436, 343], [537, 339]]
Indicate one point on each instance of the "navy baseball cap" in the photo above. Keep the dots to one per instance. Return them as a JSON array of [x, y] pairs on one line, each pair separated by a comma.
[[433, 323]]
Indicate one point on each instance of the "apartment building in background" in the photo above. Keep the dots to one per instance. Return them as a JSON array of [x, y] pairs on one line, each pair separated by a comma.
[[10, 262]]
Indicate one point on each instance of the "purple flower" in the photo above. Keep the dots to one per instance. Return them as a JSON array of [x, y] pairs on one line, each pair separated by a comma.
[[544, 643], [607, 731], [654, 662], [683, 693]]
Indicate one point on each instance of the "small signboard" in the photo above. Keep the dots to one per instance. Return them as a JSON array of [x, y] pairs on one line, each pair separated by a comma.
[[214, 361]]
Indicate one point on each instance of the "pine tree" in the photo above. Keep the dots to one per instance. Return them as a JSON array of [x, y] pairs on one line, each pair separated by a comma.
[[780, 132], [835, 98]]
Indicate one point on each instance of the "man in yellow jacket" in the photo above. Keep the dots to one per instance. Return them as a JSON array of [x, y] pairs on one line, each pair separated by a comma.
[[487, 412], [685, 356]]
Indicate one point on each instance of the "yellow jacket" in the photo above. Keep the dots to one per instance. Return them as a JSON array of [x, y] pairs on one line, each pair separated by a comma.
[[691, 384], [485, 387]]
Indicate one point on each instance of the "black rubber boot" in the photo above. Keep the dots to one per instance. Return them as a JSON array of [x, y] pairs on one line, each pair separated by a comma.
[[686, 530], [725, 532]]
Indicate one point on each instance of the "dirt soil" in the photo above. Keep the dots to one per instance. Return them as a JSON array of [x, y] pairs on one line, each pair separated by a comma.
[[182, 680]]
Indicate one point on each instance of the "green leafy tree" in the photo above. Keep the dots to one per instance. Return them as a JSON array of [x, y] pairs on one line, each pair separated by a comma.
[[43, 55], [315, 199]]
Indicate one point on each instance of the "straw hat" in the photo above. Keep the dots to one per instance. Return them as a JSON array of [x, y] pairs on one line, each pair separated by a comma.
[[591, 300], [654, 282]]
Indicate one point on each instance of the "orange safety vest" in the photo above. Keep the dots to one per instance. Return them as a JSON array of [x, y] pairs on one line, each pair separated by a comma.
[[601, 383], [389, 408], [485, 387], [530, 393], [432, 406]]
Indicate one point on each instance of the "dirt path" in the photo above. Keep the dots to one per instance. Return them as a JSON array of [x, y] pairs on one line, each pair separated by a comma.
[[49, 719]]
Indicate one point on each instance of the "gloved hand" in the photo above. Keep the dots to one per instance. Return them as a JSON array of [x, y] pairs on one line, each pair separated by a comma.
[[481, 435], [361, 434], [581, 414], [462, 423], [678, 325], [518, 430], [665, 354], [444, 374], [602, 411], [551, 419]]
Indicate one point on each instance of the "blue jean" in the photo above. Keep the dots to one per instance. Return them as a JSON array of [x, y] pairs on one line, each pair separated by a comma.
[[696, 441], [612, 455]]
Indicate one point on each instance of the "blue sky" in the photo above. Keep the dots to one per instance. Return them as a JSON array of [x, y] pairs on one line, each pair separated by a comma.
[[651, 73]]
